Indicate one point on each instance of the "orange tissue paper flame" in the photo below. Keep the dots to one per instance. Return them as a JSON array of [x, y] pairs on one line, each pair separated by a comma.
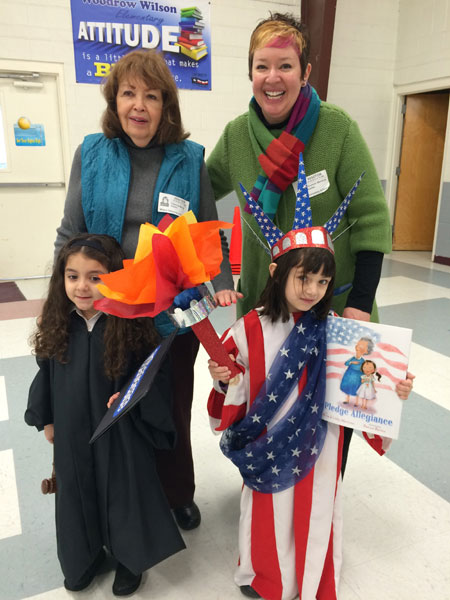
[[185, 254]]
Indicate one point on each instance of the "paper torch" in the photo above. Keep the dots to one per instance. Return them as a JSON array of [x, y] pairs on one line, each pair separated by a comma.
[[170, 267]]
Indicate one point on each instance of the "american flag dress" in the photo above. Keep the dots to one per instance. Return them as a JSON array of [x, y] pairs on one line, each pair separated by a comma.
[[290, 542]]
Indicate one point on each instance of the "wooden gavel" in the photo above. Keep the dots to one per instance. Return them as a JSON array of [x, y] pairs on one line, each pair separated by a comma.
[[48, 486]]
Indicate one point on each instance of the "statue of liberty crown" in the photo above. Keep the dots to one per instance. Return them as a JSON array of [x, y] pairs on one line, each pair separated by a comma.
[[303, 234]]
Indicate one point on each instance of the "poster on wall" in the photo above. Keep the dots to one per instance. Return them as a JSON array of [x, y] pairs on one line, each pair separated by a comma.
[[28, 134], [105, 30]]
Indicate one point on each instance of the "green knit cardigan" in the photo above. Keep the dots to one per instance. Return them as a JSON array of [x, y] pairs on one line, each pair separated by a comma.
[[337, 147]]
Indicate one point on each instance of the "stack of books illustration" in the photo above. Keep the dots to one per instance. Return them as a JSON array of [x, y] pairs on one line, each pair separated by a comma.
[[190, 40]]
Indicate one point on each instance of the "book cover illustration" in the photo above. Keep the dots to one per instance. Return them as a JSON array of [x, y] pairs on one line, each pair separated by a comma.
[[190, 40], [364, 363]]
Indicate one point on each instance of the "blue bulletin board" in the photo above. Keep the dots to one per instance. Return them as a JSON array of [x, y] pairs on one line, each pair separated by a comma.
[[105, 30]]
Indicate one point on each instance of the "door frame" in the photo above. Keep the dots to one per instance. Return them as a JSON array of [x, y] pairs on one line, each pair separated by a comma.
[[394, 154], [56, 70]]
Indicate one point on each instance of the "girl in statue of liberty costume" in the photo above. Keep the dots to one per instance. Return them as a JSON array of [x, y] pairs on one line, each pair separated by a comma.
[[290, 527]]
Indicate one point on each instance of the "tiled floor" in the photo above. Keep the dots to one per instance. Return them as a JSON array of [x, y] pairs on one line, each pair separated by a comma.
[[397, 508]]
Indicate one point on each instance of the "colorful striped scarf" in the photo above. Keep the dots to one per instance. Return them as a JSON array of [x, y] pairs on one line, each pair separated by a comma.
[[279, 152]]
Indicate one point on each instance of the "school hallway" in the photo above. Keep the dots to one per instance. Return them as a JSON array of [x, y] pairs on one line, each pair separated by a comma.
[[396, 508]]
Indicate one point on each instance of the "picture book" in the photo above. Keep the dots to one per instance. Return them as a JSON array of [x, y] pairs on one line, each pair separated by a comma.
[[364, 363]]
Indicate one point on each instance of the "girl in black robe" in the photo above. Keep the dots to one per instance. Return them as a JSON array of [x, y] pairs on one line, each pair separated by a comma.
[[108, 493]]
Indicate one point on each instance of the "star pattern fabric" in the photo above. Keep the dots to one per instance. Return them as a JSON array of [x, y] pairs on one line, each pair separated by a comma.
[[303, 217], [334, 221], [275, 459], [268, 228]]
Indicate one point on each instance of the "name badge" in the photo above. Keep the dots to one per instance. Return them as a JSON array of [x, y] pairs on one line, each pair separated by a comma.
[[168, 203], [317, 183]]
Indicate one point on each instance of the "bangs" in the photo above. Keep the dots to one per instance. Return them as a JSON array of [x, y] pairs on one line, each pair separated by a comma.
[[276, 34], [314, 260], [111, 258], [133, 71], [283, 42]]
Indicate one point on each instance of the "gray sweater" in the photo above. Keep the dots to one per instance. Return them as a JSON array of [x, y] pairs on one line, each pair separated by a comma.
[[145, 165]]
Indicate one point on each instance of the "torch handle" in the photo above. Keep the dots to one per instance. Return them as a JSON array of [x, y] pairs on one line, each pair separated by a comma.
[[209, 339]]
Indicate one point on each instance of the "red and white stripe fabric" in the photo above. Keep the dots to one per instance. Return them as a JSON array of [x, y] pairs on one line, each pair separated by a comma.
[[289, 542]]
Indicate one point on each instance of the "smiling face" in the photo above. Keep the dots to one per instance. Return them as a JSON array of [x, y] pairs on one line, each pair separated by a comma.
[[139, 110], [81, 277], [303, 291], [361, 348], [368, 368], [276, 80]]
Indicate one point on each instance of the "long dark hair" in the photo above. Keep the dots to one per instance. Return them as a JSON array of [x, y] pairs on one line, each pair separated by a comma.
[[124, 338], [311, 260]]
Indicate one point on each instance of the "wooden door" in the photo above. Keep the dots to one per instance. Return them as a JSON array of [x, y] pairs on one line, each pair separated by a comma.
[[420, 170]]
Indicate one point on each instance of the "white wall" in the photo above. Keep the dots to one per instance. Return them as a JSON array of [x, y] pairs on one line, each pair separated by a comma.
[[382, 51], [379, 48], [41, 30], [423, 50], [423, 64], [375, 45], [362, 68]]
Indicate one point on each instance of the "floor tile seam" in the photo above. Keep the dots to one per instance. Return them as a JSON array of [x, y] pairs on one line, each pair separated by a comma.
[[378, 488], [352, 564], [441, 292], [422, 278], [403, 477], [421, 394], [11, 356], [24, 302], [428, 349], [436, 403], [415, 258], [386, 553], [9, 317], [427, 284], [435, 267], [348, 583], [5, 319], [426, 267], [405, 468], [437, 497], [395, 304]]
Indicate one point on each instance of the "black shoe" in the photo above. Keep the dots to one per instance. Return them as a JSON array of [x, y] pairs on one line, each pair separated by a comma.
[[88, 576], [125, 582], [188, 516], [248, 591]]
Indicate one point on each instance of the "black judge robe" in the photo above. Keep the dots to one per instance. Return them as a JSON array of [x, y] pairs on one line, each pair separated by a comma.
[[108, 493]]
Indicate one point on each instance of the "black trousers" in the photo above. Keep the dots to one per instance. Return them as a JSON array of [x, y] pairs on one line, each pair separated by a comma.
[[176, 467], [345, 447]]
